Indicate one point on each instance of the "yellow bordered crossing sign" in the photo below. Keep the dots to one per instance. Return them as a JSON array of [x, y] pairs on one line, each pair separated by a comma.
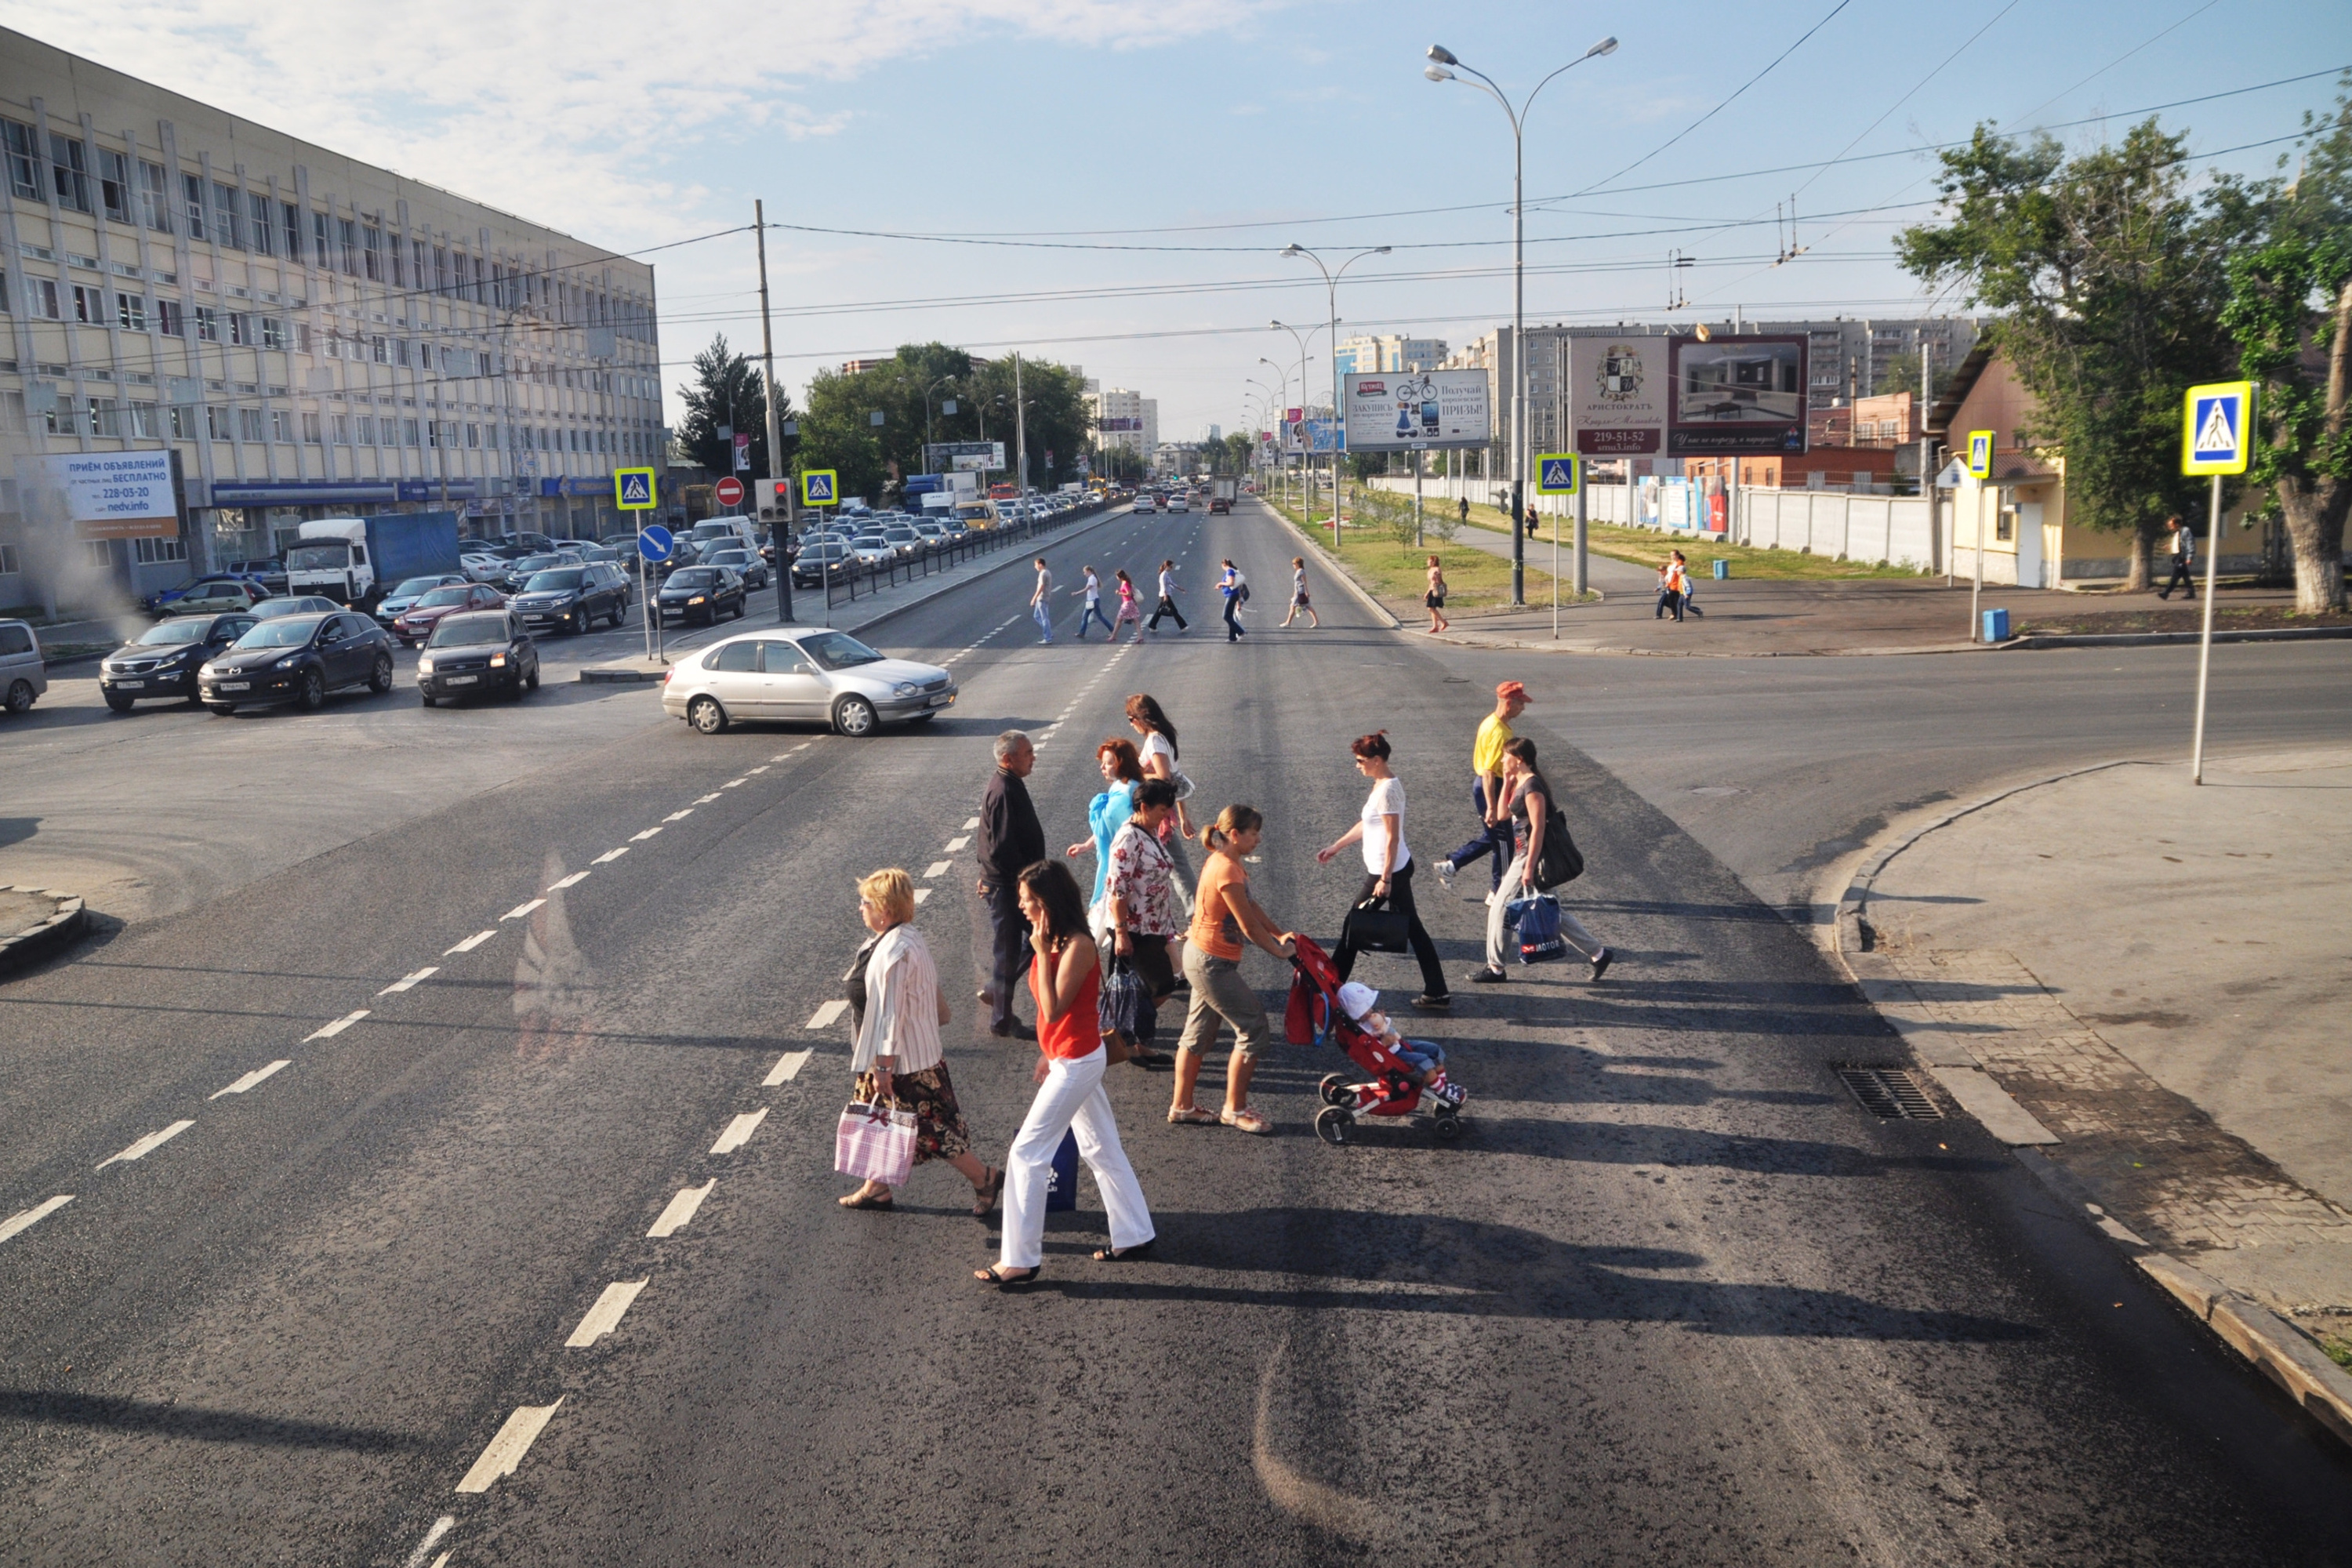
[[1980, 454], [633, 490], [821, 487], [1559, 473], [2216, 428]]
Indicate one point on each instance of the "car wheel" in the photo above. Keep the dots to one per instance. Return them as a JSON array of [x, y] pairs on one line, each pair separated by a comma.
[[854, 717], [579, 621], [425, 698], [313, 695], [705, 714], [530, 682], [20, 697], [380, 679], [119, 704]]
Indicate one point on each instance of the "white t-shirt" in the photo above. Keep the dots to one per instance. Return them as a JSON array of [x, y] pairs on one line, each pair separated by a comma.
[[1168, 584], [1156, 744], [1386, 799], [1094, 590]]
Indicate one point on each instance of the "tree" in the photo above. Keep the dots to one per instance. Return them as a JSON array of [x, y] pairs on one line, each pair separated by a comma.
[[912, 389], [727, 391], [2290, 311], [1897, 372], [2110, 277]]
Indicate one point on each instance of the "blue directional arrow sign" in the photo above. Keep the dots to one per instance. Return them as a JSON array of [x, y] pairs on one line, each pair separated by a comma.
[[654, 542], [2214, 426]]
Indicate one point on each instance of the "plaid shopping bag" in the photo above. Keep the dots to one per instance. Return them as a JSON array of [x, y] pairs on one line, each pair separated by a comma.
[[875, 1143]]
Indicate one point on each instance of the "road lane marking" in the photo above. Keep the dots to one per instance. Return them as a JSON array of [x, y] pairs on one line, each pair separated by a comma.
[[410, 982], [641, 837], [760, 769], [937, 868], [681, 1209], [606, 1315], [739, 1132], [329, 1031], [782, 756], [573, 880], [441, 1527], [706, 799], [471, 942], [824, 1017], [921, 893], [506, 1449], [249, 1079], [519, 910], [679, 816], [145, 1146], [788, 1068], [19, 1224], [958, 842], [730, 783], [608, 857]]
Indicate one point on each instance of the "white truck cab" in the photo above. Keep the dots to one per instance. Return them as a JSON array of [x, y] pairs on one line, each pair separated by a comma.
[[330, 558]]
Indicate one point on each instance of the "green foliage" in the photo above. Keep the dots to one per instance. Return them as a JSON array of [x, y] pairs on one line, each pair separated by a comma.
[[727, 390], [1898, 372], [912, 390]]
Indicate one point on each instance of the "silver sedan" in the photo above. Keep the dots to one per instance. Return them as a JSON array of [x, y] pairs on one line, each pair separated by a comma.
[[819, 676]]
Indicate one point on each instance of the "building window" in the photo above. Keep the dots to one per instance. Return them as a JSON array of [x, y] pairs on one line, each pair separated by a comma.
[[2004, 526], [42, 295], [473, 435], [320, 255], [310, 429], [372, 242], [23, 177], [257, 206], [281, 425], [155, 198], [347, 232], [290, 224], [248, 424], [226, 229], [216, 422], [240, 329], [130, 311], [89, 306], [408, 433], [440, 270], [66, 161], [157, 551], [144, 425], [184, 422], [101, 554], [192, 205], [105, 417], [303, 337], [367, 430], [171, 318], [342, 429], [9, 564], [114, 184], [380, 349], [273, 332], [207, 324]]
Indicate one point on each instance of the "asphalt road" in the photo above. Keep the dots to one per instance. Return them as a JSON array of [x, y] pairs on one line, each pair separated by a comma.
[[1673, 1296]]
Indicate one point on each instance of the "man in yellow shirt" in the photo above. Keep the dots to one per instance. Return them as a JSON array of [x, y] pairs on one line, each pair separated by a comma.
[[1493, 835]]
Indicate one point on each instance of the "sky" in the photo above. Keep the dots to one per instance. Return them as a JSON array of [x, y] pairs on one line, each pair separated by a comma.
[[1110, 183]]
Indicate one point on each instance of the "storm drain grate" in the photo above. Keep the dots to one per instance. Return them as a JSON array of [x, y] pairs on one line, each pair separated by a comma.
[[1890, 1093]]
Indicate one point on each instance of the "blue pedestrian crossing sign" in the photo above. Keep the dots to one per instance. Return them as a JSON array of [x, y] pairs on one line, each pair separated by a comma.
[[819, 486], [1980, 454], [2216, 427], [1559, 473], [633, 490]]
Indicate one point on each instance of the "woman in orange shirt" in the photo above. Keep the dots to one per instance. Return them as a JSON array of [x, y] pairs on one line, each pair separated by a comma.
[[1065, 979], [1223, 915]]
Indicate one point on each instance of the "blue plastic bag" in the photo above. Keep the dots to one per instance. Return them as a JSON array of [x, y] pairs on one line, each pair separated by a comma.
[[1539, 923], [1062, 1189]]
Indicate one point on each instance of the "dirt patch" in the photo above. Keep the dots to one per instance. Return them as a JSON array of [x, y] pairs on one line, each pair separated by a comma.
[[2181, 619]]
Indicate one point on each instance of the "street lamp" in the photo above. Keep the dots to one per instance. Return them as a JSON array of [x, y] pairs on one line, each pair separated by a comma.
[[1331, 296], [1441, 58], [948, 407]]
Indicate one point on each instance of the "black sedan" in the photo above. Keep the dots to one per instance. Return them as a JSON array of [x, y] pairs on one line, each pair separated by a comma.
[[477, 652], [699, 594], [164, 661], [296, 659], [751, 567]]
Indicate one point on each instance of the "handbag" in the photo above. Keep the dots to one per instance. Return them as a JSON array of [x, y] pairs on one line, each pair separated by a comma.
[[1562, 861], [1373, 926], [1539, 923], [874, 1142], [1123, 1007]]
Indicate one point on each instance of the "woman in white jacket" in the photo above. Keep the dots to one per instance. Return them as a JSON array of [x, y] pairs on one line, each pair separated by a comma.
[[895, 999]]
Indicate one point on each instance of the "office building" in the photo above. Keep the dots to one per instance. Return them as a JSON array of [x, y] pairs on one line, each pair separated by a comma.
[[1371, 353], [1125, 419]]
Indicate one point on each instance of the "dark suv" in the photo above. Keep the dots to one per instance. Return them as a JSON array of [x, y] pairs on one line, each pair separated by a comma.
[[164, 660], [296, 659], [573, 597]]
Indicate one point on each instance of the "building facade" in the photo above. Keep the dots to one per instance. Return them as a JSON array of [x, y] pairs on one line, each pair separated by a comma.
[[1369, 354], [1125, 419], [308, 335]]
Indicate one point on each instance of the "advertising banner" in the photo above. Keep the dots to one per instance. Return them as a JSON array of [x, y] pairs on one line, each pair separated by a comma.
[[1323, 437], [1735, 397], [1123, 425], [1399, 411], [105, 495], [939, 456], [1618, 393]]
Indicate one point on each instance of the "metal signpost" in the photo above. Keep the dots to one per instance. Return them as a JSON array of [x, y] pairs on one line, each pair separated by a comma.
[[2216, 439], [1562, 474], [653, 546], [1979, 469]]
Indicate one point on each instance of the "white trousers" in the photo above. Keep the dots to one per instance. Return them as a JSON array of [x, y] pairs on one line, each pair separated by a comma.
[[1582, 940], [1071, 1098]]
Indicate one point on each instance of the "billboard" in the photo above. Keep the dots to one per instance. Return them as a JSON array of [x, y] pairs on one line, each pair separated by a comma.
[[941, 457], [1398, 411], [105, 495], [1618, 390], [1321, 437], [1125, 425], [1735, 397]]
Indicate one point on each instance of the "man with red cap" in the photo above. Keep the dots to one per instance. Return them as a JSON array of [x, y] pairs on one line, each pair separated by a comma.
[[1493, 835]]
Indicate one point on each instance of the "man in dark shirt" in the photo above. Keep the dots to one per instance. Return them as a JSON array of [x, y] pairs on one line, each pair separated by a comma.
[[1011, 839]]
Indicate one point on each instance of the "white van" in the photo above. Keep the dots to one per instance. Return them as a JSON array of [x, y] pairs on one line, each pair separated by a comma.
[[23, 673]]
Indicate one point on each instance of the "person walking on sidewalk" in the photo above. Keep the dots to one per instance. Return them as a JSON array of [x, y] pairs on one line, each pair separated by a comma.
[[1167, 605], [1534, 819], [1066, 978], [1298, 600], [1388, 868], [2184, 561], [1464, 504], [1672, 581], [1223, 916], [1090, 588], [1041, 604], [1010, 840], [1129, 610], [1235, 588], [1494, 836], [1433, 598]]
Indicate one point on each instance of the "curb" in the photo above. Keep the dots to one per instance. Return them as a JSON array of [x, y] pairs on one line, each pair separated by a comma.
[[29, 947], [2157, 639], [1340, 569]]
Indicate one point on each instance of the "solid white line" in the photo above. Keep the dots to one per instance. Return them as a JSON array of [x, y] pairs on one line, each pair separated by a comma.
[[937, 868], [249, 1079], [329, 1031], [606, 1315], [681, 1208], [796, 750], [441, 1527], [788, 1068], [506, 1449], [641, 837], [679, 816], [730, 783], [34, 1216], [706, 799], [824, 1017], [471, 942], [957, 843], [921, 893], [410, 982], [519, 910], [573, 880], [609, 856], [970, 823], [145, 1146], [739, 1132]]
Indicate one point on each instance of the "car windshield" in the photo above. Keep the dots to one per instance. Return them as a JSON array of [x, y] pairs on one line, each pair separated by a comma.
[[714, 531], [559, 582], [278, 634], [693, 578], [172, 633], [468, 631], [730, 558], [835, 650], [530, 564], [415, 586], [440, 596], [324, 555], [306, 605]]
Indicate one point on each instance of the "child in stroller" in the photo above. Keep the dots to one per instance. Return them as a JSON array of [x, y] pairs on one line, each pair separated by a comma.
[[1404, 1076]]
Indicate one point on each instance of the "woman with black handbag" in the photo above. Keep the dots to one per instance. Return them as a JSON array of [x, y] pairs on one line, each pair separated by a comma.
[[1545, 858], [1388, 878]]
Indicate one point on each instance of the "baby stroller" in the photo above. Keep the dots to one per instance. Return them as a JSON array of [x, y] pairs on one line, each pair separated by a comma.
[[1314, 1017]]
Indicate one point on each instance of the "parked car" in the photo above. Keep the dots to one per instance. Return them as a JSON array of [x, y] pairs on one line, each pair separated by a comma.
[[416, 623], [483, 565], [530, 566], [297, 659], [270, 572], [573, 597], [699, 594], [619, 543], [409, 591], [208, 596], [817, 561], [749, 565], [816, 676], [300, 604], [164, 661], [472, 653], [23, 673]]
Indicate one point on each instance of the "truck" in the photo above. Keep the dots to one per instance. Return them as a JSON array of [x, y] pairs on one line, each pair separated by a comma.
[[357, 559], [1221, 494]]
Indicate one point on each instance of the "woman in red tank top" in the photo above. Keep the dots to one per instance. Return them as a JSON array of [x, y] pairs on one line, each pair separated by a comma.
[[1066, 978]]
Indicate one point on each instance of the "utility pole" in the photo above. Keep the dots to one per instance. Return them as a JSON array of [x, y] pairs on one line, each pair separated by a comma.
[[779, 531], [1019, 443]]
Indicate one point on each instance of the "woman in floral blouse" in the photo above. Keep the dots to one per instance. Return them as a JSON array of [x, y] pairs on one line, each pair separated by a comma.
[[1144, 915]]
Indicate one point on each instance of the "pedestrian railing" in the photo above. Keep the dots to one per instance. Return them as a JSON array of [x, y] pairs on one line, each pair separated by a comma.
[[848, 579]]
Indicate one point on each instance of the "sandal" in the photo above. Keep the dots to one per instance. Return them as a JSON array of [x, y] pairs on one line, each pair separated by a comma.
[[1018, 1279], [985, 1197], [1125, 1254], [1192, 1116], [1245, 1120], [866, 1201], [1144, 1057]]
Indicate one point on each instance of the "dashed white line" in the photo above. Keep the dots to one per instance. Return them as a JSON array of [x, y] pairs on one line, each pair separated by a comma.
[[329, 1031], [782, 756], [441, 1527], [606, 1315], [19, 1224], [739, 1132], [955, 844], [922, 894], [730, 783], [760, 769], [573, 880], [706, 799], [471, 942], [936, 868], [824, 1017], [788, 1068], [506, 1449], [641, 837], [608, 857], [679, 816], [970, 823], [519, 910], [145, 1146], [410, 982], [249, 1079], [681, 1209]]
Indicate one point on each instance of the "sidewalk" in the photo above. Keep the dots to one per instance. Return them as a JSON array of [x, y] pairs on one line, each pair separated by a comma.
[[2155, 974]]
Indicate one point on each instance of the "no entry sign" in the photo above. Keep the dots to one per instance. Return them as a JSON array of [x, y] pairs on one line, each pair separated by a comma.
[[728, 491]]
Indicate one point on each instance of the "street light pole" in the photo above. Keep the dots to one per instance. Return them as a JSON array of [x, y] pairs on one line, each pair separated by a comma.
[[1442, 57], [1338, 417], [781, 541], [1306, 459]]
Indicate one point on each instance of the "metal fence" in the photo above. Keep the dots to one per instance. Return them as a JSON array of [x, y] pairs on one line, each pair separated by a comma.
[[845, 581]]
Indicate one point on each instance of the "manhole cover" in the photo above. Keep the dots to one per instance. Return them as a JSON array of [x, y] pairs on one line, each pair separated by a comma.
[[1891, 1094]]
